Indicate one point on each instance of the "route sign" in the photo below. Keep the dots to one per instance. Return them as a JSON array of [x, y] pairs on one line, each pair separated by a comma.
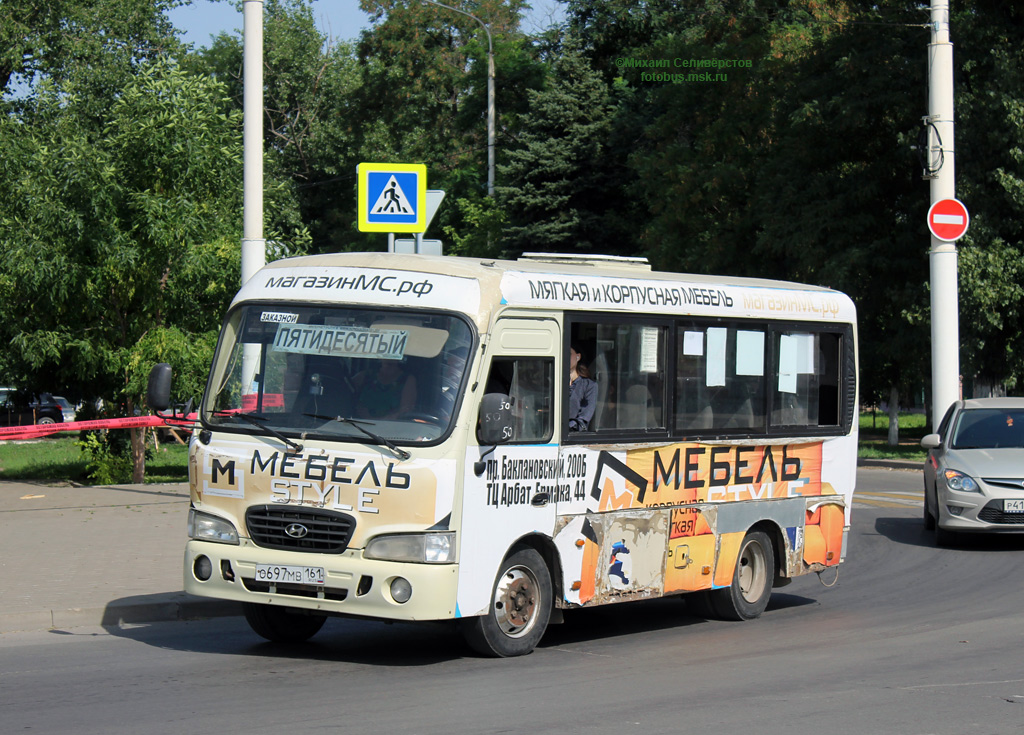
[[392, 197], [948, 219]]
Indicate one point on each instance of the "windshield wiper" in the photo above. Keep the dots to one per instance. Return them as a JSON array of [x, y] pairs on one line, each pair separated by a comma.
[[401, 453], [259, 420]]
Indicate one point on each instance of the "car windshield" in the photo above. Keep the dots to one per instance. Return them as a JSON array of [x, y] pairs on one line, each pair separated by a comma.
[[371, 376], [989, 428]]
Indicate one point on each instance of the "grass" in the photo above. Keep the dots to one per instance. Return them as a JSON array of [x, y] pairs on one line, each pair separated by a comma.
[[874, 436], [57, 459]]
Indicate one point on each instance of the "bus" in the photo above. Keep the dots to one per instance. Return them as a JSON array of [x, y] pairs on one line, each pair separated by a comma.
[[389, 436]]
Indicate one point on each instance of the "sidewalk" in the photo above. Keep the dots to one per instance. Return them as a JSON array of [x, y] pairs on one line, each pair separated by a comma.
[[73, 556]]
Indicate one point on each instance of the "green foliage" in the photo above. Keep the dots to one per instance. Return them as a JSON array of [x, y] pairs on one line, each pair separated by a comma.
[[120, 169], [109, 459], [60, 459], [423, 98], [108, 233], [89, 47], [562, 194]]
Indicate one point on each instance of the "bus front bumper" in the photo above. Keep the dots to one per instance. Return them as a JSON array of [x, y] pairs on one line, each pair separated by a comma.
[[351, 585]]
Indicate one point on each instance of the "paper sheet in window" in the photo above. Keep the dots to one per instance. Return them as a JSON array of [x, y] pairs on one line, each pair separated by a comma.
[[749, 353], [788, 348], [804, 354], [693, 344], [649, 350], [716, 356]]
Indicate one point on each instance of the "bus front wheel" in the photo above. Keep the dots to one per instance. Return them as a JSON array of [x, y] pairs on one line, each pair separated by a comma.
[[747, 596], [282, 624], [519, 610]]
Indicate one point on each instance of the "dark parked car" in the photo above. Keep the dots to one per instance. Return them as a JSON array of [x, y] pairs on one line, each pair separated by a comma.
[[23, 409]]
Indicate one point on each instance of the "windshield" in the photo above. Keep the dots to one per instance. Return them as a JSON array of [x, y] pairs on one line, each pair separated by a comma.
[[989, 428], [372, 376]]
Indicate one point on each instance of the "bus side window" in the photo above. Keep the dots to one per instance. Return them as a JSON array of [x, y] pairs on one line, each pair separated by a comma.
[[805, 379], [529, 384]]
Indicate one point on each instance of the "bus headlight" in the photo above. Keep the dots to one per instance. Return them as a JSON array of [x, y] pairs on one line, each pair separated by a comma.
[[205, 527], [422, 548]]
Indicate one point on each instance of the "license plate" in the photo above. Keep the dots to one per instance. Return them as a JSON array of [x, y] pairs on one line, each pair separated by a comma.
[[1013, 506], [280, 573]]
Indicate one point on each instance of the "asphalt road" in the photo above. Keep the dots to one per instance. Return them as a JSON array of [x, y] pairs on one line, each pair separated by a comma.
[[910, 640]]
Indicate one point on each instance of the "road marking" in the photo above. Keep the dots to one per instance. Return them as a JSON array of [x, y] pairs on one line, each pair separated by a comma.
[[913, 499]]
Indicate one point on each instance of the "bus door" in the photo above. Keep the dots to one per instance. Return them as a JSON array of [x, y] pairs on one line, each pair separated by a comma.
[[511, 476]]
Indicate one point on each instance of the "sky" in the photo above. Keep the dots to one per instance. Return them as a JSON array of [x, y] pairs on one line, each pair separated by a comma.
[[340, 20]]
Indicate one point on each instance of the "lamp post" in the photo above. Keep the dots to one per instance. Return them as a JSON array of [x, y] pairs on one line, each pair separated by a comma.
[[490, 92]]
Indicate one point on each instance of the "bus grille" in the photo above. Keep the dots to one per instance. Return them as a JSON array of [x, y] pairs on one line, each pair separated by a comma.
[[312, 530]]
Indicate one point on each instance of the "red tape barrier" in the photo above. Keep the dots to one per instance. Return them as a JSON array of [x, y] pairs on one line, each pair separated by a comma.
[[133, 422]]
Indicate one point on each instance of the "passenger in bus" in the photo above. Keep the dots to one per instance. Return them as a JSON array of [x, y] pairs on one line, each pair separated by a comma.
[[386, 393], [582, 393]]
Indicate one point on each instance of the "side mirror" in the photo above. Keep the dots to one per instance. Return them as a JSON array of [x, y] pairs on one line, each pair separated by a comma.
[[158, 390], [931, 441], [495, 419]]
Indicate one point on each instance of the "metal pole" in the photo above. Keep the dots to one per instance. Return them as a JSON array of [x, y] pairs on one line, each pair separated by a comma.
[[490, 116], [942, 258], [490, 92], [253, 245]]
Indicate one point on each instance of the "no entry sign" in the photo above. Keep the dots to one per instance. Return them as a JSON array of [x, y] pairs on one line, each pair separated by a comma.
[[948, 219]]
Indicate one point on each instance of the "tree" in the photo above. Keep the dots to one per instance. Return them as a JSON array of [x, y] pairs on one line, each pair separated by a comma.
[[562, 193], [117, 244], [310, 121], [97, 44], [989, 86], [424, 99]]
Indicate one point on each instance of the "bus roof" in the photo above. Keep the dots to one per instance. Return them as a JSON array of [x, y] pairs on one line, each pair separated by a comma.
[[478, 286]]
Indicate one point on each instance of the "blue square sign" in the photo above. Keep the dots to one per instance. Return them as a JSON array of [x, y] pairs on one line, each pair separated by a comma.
[[392, 197]]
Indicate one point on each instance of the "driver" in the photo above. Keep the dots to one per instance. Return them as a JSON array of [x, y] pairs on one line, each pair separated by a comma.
[[386, 393]]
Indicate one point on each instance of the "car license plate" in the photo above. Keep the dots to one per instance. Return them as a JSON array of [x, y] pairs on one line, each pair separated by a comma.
[[1013, 506], [278, 573]]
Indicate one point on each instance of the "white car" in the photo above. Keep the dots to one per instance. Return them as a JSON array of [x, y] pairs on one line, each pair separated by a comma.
[[974, 473], [65, 407]]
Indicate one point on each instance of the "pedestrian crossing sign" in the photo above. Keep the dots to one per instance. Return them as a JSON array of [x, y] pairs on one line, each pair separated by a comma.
[[392, 197]]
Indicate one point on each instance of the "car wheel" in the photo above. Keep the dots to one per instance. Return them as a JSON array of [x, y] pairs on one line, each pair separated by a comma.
[[929, 519], [46, 420]]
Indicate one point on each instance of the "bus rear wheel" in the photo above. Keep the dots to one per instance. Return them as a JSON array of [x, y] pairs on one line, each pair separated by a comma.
[[747, 596], [282, 624], [519, 610]]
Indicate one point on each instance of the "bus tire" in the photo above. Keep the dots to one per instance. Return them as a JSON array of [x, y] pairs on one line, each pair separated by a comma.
[[747, 596], [282, 624], [519, 610]]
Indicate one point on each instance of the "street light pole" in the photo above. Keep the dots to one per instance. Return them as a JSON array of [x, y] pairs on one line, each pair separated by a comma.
[[490, 92], [942, 257], [253, 245]]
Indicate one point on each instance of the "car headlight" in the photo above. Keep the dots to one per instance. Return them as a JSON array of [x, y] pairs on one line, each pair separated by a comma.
[[205, 527], [956, 480], [422, 548]]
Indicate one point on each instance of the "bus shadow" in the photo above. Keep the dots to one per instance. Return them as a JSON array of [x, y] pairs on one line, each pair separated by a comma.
[[636, 618], [347, 640], [342, 640]]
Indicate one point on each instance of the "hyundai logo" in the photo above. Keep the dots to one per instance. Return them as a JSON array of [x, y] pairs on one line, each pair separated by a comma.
[[296, 530]]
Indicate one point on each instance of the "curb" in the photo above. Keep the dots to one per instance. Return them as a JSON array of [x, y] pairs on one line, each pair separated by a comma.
[[890, 464], [167, 607]]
